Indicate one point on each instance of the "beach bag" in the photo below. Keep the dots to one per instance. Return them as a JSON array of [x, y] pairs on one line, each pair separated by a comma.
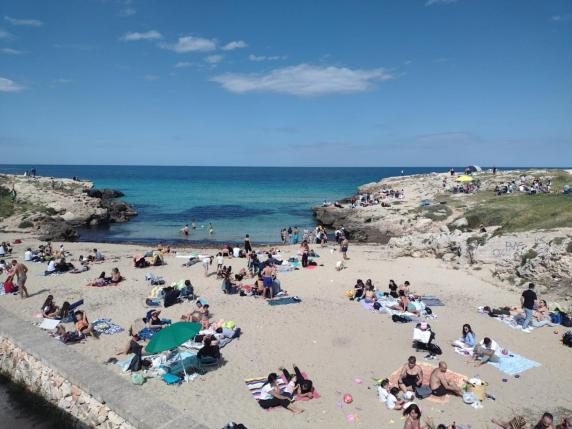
[[400, 319], [434, 349], [423, 392], [376, 305], [566, 320], [229, 324], [556, 317], [567, 339], [428, 310]]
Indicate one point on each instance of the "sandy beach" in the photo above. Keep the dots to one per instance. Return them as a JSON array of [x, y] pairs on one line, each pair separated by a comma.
[[334, 340]]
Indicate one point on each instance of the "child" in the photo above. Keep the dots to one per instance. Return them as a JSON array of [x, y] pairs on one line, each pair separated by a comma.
[[219, 262], [392, 402], [382, 391]]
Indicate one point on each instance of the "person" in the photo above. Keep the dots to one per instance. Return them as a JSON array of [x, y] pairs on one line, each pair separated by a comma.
[[194, 225], [393, 289], [413, 418], [21, 273], [185, 230], [565, 423], [247, 244], [359, 290], [82, 325], [467, 338], [211, 229], [344, 248], [302, 386], [267, 279], [98, 256], [219, 262], [486, 351], [528, 300], [115, 276], [305, 251], [411, 375], [206, 262], [30, 256], [270, 396], [545, 422], [49, 308], [541, 316], [153, 319], [440, 385], [517, 422], [209, 351]]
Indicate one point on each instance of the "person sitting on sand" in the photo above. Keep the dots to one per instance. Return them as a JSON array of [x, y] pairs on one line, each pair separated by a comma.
[[565, 423], [302, 386], [540, 316], [517, 422], [271, 396], [209, 351], [440, 385], [486, 351], [389, 396], [49, 309], [405, 287], [393, 289], [359, 290], [545, 422], [413, 419], [115, 276], [369, 294], [411, 375], [467, 338], [100, 281], [98, 256], [154, 320], [82, 325], [51, 268]]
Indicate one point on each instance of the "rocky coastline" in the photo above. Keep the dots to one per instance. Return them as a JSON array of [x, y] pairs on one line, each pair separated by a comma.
[[55, 208], [480, 230]]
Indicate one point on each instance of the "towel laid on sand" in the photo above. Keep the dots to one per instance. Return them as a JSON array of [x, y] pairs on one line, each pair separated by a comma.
[[511, 363], [106, 326], [284, 300]]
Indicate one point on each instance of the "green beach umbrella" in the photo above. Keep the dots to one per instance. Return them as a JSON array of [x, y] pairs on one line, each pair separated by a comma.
[[172, 336]]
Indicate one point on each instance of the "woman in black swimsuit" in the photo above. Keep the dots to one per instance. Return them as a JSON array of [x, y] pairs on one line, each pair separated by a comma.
[[393, 289], [411, 375]]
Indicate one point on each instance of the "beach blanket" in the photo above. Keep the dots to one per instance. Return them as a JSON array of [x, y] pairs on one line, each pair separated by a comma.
[[453, 377], [511, 363], [432, 301], [255, 386], [49, 324], [106, 326], [507, 320], [284, 300]]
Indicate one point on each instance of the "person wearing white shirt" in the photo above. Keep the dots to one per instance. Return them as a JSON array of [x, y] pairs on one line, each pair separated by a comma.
[[487, 351], [28, 255]]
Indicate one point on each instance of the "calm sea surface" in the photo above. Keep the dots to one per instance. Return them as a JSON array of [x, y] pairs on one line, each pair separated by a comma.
[[236, 200]]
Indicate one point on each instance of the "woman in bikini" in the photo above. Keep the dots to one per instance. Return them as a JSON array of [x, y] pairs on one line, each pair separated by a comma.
[[411, 375], [413, 419]]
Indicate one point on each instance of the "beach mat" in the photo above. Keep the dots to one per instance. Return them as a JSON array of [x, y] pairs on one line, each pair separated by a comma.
[[432, 301], [283, 300], [510, 364], [454, 377], [106, 326], [49, 324]]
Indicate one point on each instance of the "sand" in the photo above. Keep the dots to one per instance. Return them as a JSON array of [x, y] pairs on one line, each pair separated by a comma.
[[334, 340]]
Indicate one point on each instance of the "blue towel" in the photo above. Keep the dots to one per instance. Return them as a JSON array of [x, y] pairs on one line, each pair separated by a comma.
[[284, 300], [514, 364]]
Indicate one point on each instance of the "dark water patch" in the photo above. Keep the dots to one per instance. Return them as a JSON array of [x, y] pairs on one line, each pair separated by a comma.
[[209, 212]]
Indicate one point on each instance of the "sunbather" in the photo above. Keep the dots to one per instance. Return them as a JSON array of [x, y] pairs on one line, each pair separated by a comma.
[[302, 386], [271, 396], [115, 276], [517, 422], [209, 351], [411, 375], [83, 326], [102, 280], [413, 419], [49, 309], [440, 385], [486, 351], [359, 290], [467, 338], [393, 289]]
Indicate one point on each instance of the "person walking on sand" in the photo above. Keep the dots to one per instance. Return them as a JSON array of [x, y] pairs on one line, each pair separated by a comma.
[[247, 244], [185, 230], [206, 262], [344, 248], [21, 272]]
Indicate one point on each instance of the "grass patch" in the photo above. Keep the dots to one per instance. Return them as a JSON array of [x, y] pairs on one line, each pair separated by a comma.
[[476, 241], [530, 254], [25, 224], [435, 212], [522, 212], [6, 203]]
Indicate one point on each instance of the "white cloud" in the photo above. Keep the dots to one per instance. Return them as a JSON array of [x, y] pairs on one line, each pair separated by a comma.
[[253, 57], [183, 64], [561, 18], [11, 51], [213, 59], [191, 44], [148, 35], [4, 34], [7, 85], [235, 44], [433, 2], [304, 80], [151, 77], [128, 11], [28, 22]]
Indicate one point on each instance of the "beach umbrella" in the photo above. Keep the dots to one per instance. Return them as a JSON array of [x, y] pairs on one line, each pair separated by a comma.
[[464, 178], [172, 336]]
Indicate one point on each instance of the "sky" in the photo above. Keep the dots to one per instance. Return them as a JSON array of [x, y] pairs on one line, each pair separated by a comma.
[[286, 83]]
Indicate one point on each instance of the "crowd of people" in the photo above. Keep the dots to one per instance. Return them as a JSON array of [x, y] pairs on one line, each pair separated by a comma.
[[526, 185]]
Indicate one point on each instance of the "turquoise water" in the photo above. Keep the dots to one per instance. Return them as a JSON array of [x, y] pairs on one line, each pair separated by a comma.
[[236, 200]]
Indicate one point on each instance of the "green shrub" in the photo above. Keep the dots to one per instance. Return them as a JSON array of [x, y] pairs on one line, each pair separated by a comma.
[[25, 224]]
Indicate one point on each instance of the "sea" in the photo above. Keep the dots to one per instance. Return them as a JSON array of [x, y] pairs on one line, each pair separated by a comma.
[[258, 201]]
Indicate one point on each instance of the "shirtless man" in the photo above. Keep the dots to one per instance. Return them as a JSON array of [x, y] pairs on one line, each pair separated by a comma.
[[267, 279], [411, 375], [440, 385], [21, 272]]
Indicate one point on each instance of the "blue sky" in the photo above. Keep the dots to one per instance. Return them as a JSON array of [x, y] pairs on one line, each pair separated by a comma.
[[299, 82]]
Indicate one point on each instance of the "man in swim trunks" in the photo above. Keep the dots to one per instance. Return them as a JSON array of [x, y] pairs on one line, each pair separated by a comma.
[[185, 230], [21, 272], [440, 385], [411, 375], [267, 278]]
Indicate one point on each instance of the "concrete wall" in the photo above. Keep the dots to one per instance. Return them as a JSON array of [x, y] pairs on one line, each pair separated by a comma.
[[94, 395]]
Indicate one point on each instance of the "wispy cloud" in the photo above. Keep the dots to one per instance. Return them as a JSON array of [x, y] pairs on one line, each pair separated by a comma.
[[434, 2], [4, 34], [253, 57], [151, 77], [7, 85], [190, 44], [213, 59], [561, 18], [183, 64], [147, 35], [304, 80], [235, 44], [11, 51], [128, 11], [24, 22]]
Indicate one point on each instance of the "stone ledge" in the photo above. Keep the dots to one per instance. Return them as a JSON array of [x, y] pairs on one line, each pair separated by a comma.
[[124, 399]]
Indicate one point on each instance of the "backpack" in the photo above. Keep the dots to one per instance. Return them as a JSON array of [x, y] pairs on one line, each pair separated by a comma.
[[567, 339], [556, 317]]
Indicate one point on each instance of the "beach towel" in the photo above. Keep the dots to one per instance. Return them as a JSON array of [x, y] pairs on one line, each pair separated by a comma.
[[511, 363], [508, 320], [255, 387], [106, 326], [453, 377], [49, 324], [432, 301], [284, 300]]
